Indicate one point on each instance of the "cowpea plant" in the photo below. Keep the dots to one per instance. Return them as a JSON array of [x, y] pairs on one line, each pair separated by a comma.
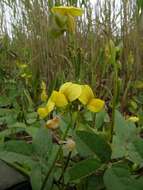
[[72, 148]]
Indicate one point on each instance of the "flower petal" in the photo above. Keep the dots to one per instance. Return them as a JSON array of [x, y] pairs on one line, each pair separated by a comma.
[[75, 11], [71, 23], [86, 94], [43, 112], [64, 87], [43, 85], [71, 90], [133, 119], [59, 99], [95, 105], [44, 96], [23, 66], [50, 105], [67, 10]]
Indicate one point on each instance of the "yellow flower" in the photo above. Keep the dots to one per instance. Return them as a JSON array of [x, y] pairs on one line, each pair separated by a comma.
[[64, 86], [70, 12], [50, 105], [71, 24], [71, 91], [133, 119], [44, 96], [68, 92], [87, 98], [26, 76], [95, 105], [43, 85], [23, 75], [23, 66], [53, 123], [59, 99], [86, 95], [65, 10], [42, 112]]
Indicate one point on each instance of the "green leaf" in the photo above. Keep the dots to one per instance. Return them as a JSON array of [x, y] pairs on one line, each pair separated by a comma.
[[139, 146], [8, 118], [96, 144], [36, 177], [83, 169], [133, 154], [118, 177], [135, 151], [123, 129], [125, 134], [95, 182], [32, 131], [8, 132], [4, 101], [43, 142], [18, 125], [88, 116], [82, 148], [31, 117], [20, 147], [100, 118], [12, 157], [118, 147]]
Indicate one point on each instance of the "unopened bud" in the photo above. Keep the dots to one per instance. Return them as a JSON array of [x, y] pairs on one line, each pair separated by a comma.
[[44, 96], [70, 145], [53, 123], [133, 119]]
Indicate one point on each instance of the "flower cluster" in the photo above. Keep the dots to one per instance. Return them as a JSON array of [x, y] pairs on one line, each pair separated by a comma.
[[70, 92]]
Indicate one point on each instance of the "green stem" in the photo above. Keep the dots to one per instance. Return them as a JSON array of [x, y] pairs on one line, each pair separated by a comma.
[[17, 167], [55, 159], [125, 94], [68, 159], [65, 167], [115, 93]]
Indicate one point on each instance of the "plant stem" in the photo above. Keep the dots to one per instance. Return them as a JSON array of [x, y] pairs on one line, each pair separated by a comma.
[[115, 93], [67, 161], [55, 159], [18, 168], [125, 94], [66, 165]]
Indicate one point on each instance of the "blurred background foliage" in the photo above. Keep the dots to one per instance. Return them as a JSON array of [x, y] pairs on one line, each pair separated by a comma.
[[108, 31]]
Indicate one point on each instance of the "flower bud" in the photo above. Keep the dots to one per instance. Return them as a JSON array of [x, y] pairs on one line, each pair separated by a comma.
[[133, 119], [42, 112], [53, 123], [70, 145], [44, 96]]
